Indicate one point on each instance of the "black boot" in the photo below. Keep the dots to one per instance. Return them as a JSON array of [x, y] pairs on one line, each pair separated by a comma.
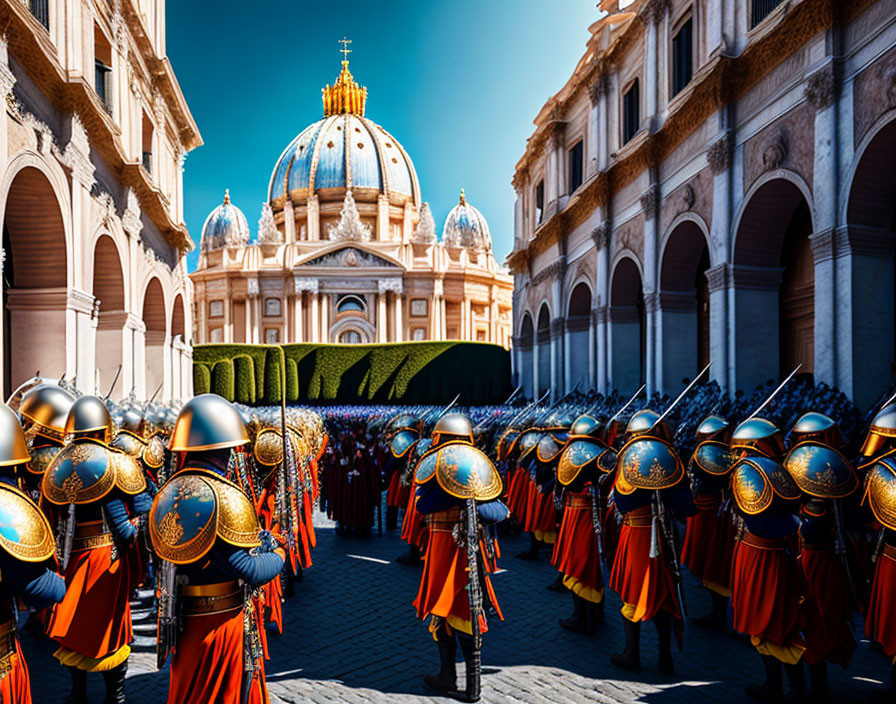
[[78, 694], [717, 618], [391, 517], [578, 622], [446, 679], [630, 658], [770, 691], [595, 614], [534, 548], [114, 680], [818, 674], [412, 559], [663, 623], [557, 585], [474, 669], [798, 693]]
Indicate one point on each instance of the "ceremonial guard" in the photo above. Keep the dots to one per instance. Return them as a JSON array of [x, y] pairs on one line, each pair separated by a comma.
[[709, 539], [578, 553], [458, 488], [649, 489], [93, 490], [541, 462], [828, 483], [43, 412], [766, 582], [205, 528], [880, 495], [27, 564], [400, 435], [413, 528], [148, 451]]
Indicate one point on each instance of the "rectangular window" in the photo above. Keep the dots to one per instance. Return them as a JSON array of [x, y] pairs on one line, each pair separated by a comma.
[[418, 334], [539, 201], [682, 57], [272, 307], [102, 68], [761, 9], [216, 334], [576, 166], [41, 10], [147, 143], [272, 336], [631, 112], [419, 307], [216, 309], [481, 335]]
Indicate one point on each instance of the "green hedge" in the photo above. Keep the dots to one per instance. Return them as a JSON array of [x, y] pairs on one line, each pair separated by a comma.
[[223, 378], [409, 372], [202, 378]]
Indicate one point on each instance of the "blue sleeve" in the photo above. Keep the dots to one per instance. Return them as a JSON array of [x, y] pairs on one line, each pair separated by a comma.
[[142, 502], [679, 501], [32, 582], [430, 498], [253, 567], [492, 512], [771, 525], [119, 521]]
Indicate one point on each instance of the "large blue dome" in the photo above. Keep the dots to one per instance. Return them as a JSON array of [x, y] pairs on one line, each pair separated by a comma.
[[344, 151]]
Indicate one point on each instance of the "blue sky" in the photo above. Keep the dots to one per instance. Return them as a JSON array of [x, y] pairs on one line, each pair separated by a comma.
[[457, 83]]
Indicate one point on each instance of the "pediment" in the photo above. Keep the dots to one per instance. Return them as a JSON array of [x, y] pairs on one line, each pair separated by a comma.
[[349, 258]]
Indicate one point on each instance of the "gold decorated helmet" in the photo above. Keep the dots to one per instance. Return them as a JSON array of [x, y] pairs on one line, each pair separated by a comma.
[[714, 428], [881, 433], [208, 422], [45, 410], [586, 426], [13, 449], [89, 417], [818, 427], [758, 435], [452, 426]]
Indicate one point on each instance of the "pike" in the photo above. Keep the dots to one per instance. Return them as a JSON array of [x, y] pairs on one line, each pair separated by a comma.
[[114, 382], [627, 404], [474, 593], [532, 405], [509, 399], [775, 392], [683, 394]]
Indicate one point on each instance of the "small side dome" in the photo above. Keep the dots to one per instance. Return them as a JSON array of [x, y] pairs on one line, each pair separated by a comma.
[[225, 226], [466, 227]]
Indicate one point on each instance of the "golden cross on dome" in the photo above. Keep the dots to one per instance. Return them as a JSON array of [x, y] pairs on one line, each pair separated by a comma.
[[345, 51]]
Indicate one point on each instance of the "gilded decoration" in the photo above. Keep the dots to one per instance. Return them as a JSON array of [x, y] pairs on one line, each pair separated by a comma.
[[713, 458], [547, 449], [881, 492], [467, 473], [128, 473], [24, 530], [154, 452], [528, 442], [269, 447], [41, 458], [751, 488], [575, 457], [183, 518], [821, 471], [402, 443], [127, 442], [607, 461], [237, 519], [80, 474], [649, 463]]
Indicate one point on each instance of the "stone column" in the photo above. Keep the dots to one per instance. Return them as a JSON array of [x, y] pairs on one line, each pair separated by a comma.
[[592, 351], [253, 318], [493, 315], [601, 236], [299, 313], [556, 348], [381, 322], [821, 90], [650, 201], [595, 92], [719, 158], [654, 12], [399, 317], [567, 358]]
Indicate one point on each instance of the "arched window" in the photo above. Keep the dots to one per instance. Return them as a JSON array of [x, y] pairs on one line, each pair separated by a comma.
[[351, 304], [350, 337]]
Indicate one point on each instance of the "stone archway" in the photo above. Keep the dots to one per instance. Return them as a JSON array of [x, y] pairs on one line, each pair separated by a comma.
[[871, 232], [108, 292], [155, 319], [578, 327], [181, 372], [628, 339], [543, 350], [35, 280], [684, 304], [773, 284]]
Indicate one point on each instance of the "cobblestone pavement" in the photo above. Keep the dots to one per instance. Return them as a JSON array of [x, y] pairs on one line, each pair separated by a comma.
[[351, 636]]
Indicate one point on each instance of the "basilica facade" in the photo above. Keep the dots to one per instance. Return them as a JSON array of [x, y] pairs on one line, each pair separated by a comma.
[[346, 250], [94, 130], [713, 183]]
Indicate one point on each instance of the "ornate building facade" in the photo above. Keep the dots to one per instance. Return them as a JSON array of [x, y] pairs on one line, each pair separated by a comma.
[[712, 183], [346, 250], [93, 137]]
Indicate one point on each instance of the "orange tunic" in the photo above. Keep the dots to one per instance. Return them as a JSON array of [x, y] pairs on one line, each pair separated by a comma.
[[541, 516], [828, 601], [413, 528], [517, 493], [709, 545], [207, 666], [576, 552], [880, 622], [443, 585], [15, 688], [94, 618]]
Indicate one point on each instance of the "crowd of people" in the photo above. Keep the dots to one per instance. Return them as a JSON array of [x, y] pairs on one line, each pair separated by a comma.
[[782, 503]]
